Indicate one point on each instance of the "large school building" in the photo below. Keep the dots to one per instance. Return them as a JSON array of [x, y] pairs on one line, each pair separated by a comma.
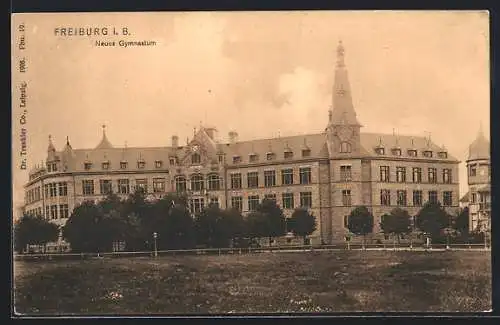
[[330, 172]]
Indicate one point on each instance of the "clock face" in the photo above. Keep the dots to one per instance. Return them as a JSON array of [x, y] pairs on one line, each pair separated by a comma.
[[345, 133]]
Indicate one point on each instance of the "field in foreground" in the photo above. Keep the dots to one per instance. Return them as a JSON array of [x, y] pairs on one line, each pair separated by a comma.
[[340, 281]]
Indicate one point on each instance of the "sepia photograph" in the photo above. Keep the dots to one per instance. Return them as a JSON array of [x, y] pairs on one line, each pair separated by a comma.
[[239, 162]]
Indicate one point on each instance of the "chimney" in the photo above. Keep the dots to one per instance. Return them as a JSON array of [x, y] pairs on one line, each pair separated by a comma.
[[233, 137], [175, 141]]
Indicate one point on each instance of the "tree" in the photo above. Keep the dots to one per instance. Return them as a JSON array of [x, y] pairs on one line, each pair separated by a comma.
[[432, 219], [461, 223], [34, 230], [395, 223], [360, 222], [302, 223], [206, 226], [81, 229], [275, 223], [178, 232]]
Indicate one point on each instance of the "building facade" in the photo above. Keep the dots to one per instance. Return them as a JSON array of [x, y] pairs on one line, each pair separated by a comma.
[[478, 198], [330, 173]]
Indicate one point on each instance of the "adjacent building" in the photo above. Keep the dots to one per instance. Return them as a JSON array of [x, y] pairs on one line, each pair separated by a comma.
[[330, 172], [478, 198]]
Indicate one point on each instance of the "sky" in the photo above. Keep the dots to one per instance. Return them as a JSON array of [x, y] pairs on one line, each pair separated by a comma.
[[262, 74]]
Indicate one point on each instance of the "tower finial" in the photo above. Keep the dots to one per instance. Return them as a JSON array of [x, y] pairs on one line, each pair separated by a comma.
[[340, 54]]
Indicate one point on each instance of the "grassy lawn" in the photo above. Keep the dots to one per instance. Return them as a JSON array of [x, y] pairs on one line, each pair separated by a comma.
[[340, 281]]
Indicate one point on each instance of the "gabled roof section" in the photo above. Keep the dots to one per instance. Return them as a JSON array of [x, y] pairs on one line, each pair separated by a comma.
[[480, 147], [104, 144]]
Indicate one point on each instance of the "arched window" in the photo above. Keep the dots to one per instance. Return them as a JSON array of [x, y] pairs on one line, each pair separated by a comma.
[[180, 183], [197, 183], [345, 147], [213, 182], [195, 158]]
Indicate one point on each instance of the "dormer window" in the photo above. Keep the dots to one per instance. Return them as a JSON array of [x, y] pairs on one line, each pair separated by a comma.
[[345, 147], [105, 165], [158, 163], [443, 154], [270, 156], [428, 154], [87, 165], [123, 165], [396, 152], [306, 152], [195, 159], [380, 151], [141, 164], [52, 167], [236, 159], [172, 161], [288, 154], [412, 153], [253, 157]]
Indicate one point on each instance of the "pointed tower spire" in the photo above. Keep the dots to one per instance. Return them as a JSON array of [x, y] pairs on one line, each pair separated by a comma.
[[343, 109], [104, 144], [51, 145]]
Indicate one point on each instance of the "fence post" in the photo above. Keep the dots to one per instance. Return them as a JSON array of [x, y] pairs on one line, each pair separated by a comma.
[[219, 251]]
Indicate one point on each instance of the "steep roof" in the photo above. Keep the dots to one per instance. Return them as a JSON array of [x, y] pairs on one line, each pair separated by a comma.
[[480, 147]]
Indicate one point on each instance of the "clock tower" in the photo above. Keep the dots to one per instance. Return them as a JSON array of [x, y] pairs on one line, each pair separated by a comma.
[[343, 127]]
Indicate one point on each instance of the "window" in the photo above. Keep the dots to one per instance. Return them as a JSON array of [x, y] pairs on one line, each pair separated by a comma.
[[380, 151], [306, 199], [432, 175], [306, 152], [288, 154], [269, 178], [214, 201], [63, 189], [123, 165], [213, 182], [396, 152], [447, 198], [305, 175], [443, 155], [253, 202], [253, 179], [472, 170], [417, 175], [270, 156], [141, 164], [53, 189], [401, 200], [417, 198], [221, 158], [105, 186], [123, 186], [105, 165], [52, 167], [87, 165], [53, 212], [158, 163], [46, 187], [253, 157], [385, 197], [345, 147], [400, 174], [412, 153], [287, 200], [237, 203], [433, 197], [47, 212], [196, 205], [346, 198], [236, 159], [63, 211], [345, 173], [158, 185], [287, 176], [447, 176], [474, 197], [88, 187], [236, 181], [197, 183], [384, 173], [195, 159], [427, 154], [271, 197], [171, 161], [346, 221], [141, 184]]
